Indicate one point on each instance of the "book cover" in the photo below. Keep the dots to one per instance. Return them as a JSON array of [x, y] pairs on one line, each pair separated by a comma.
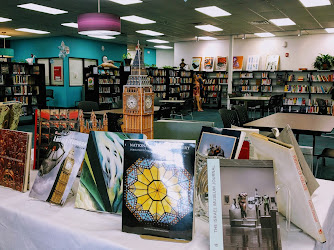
[[158, 188], [253, 62], [60, 167], [101, 179], [208, 64], [196, 63], [15, 149], [221, 64], [272, 62], [220, 142], [238, 62], [249, 204], [289, 176]]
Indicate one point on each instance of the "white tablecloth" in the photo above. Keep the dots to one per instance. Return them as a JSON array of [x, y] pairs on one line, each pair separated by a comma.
[[26, 223]]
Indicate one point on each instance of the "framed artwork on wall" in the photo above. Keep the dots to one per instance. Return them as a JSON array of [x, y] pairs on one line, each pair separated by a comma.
[[196, 63], [57, 71], [237, 63], [253, 63], [76, 71], [46, 62], [208, 64], [272, 62], [221, 64]]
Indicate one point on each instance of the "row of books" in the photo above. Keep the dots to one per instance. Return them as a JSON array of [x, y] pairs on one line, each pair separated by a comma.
[[159, 88], [109, 81], [110, 72], [184, 95], [23, 99], [266, 81], [221, 75], [264, 74], [211, 94], [180, 80], [174, 90], [108, 99], [267, 88], [185, 87], [250, 88], [22, 90], [296, 88], [244, 82], [158, 80], [294, 101], [157, 72], [246, 75], [18, 69], [315, 110], [322, 78], [321, 89], [104, 90], [212, 88], [161, 95], [21, 79]]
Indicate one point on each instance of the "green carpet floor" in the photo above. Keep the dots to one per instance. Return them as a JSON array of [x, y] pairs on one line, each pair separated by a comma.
[[326, 172]]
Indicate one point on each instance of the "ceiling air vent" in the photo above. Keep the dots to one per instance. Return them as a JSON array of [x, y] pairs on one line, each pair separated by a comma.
[[259, 22]]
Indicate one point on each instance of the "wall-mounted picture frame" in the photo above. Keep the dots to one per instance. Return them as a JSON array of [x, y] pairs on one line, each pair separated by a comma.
[[208, 64], [196, 64], [57, 71], [221, 63], [272, 62], [238, 63], [75, 71], [46, 63], [253, 63]]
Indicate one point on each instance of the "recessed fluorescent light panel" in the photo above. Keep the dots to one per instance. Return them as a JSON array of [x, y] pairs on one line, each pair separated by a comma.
[[2, 19], [4, 36], [137, 19], [213, 11], [150, 32], [41, 8], [157, 41], [163, 47], [208, 27], [330, 30], [265, 34], [99, 33], [103, 37], [72, 25], [126, 2], [282, 22], [32, 31], [206, 38], [315, 3]]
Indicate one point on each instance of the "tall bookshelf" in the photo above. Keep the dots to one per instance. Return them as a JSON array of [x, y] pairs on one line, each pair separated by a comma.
[[104, 86], [24, 83], [215, 88]]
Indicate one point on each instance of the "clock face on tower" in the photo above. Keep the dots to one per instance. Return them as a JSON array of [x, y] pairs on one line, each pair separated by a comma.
[[148, 102], [131, 102]]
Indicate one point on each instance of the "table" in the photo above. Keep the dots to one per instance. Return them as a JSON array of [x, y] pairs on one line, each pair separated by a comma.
[[308, 124], [172, 101], [26, 223], [245, 99]]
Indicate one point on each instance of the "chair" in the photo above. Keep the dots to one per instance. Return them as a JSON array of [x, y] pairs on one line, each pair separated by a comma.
[[88, 106], [275, 103], [164, 111], [322, 106], [326, 153], [185, 109], [49, 94], [253, 106], [242, 114], [229, 117]]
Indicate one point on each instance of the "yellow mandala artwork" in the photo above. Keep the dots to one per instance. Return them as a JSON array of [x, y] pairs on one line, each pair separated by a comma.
[[158, 193]]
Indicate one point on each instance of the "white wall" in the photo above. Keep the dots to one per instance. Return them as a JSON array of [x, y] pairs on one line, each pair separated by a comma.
[[165, 57], [303, 50]]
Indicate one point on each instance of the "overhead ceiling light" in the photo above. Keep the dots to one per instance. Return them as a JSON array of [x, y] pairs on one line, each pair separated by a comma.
[[72, 25], [99, 24], [32, 31], [213, 11], [137, 19], [265, 34], [157, 41], [103, 37], [315, 3], [126, 2], [41, 8], [208, 27], [163, 47], [330, 30], [206, 38], [150, 32], [282, 22], [4, 36], [99, 33], [2, 19]]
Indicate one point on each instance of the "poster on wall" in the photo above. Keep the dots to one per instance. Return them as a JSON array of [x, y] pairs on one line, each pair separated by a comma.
[[196, 63], [208, 64], [272, 62], [221, 64], [90, 83], [237, 62], [76, 71], [57, 73], [253, 63]]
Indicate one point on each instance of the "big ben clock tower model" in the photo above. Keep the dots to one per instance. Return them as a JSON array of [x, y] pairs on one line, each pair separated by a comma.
[[138, 104]]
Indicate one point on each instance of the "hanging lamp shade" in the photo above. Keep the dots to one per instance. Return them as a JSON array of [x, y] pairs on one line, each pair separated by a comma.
[[98, 24], [6, 52]]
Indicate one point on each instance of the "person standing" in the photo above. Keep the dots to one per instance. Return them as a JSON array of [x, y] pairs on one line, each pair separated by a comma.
[[197, 91]]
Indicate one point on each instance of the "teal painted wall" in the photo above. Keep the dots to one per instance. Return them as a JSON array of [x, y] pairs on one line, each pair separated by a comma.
[[150, 56], [66, 96]]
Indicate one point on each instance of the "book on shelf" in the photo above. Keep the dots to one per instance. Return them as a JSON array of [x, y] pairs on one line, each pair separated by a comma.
[[158, 188], [59, 169], [287, 136], [15, 156], [4, 68], [220, 142], [290, 179], [249, 202], [101, 180]]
